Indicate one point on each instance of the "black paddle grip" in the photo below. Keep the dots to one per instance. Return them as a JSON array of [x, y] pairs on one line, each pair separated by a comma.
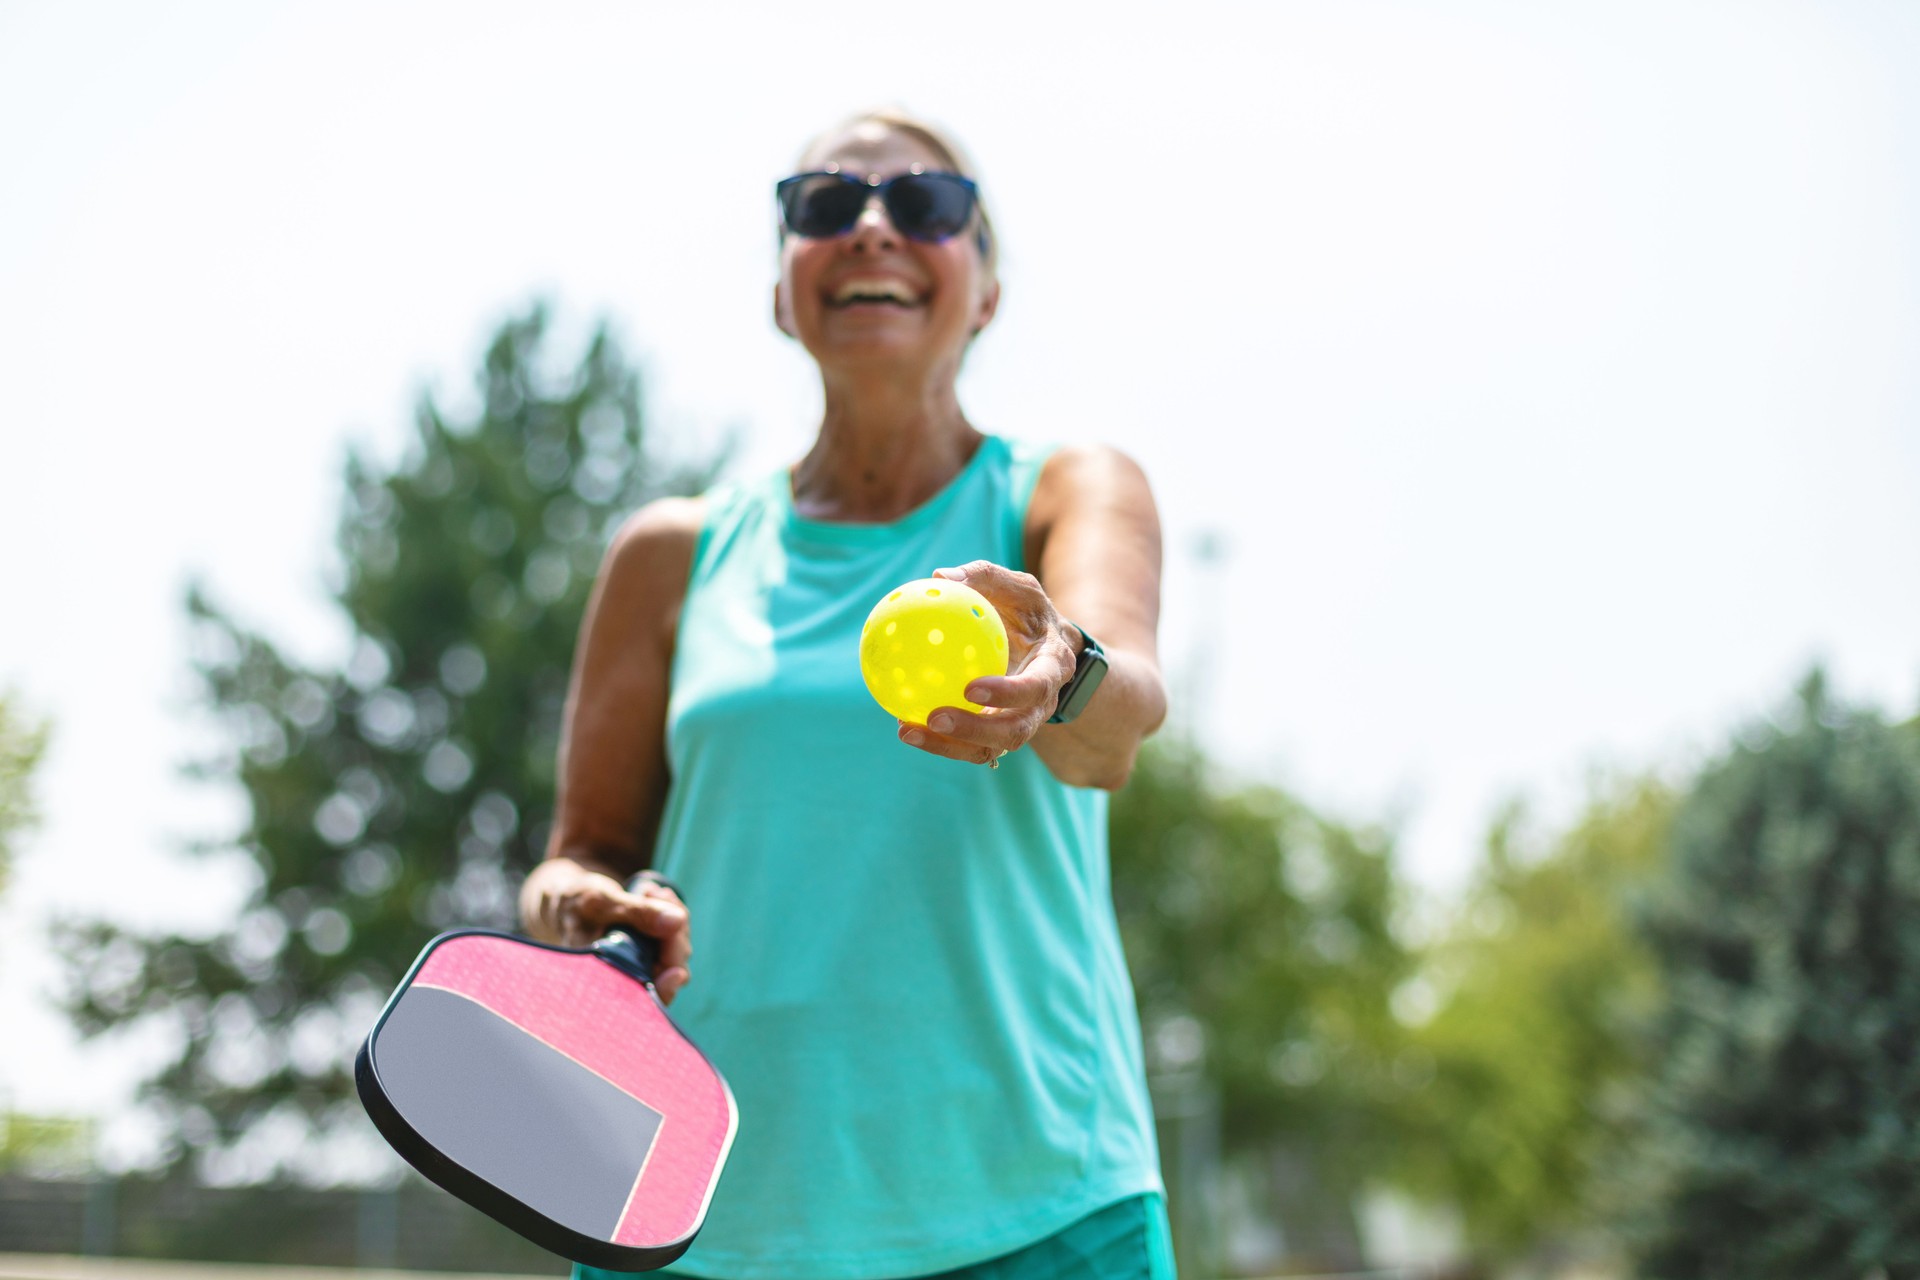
[[629, 950], [636, 954]]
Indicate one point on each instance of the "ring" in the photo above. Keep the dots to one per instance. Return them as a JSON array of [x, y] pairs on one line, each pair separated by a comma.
[[994, 762]]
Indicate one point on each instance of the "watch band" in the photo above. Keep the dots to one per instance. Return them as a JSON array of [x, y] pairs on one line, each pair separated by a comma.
[[1088, 671]]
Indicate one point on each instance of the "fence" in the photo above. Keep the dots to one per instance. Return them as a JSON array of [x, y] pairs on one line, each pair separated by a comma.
[[411, 1227]]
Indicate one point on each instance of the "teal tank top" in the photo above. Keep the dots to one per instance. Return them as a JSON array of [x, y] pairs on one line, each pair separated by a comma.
[[907, 968]]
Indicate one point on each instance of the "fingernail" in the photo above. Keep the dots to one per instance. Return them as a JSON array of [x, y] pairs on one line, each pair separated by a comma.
[[979, 696], [941, 723], [913, 737]]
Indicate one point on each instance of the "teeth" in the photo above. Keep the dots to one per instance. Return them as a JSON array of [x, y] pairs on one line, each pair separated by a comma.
[[890, 290]]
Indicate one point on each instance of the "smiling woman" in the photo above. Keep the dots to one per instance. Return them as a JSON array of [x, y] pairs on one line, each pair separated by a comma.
[[910, 969], [884, 174]]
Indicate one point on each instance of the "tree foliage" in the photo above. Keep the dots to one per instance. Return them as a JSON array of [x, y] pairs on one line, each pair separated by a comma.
[[21, 745], [406, 790], [1543, 989], [1262, 944], [1784, 1125]]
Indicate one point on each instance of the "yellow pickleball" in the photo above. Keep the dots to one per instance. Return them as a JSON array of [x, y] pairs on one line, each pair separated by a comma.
[[925, 642]]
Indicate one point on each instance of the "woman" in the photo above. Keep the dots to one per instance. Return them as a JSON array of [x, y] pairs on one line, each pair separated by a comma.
[[911, 975]]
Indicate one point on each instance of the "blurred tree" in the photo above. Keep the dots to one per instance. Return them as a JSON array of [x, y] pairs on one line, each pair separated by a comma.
[[1541, 990], [404, 793], [1784, 1125], [1264, 957], [43, 1145], [21, 745]]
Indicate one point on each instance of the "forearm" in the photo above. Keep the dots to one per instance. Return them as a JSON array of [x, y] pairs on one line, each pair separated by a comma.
[[1099, 747]]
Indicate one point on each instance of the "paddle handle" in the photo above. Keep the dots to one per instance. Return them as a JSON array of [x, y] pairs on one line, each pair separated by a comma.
[[636, 954], [629, 950]]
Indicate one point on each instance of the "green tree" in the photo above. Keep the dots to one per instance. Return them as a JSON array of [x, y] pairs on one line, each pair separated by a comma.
[[43, 1144], [1542, 989], [1784, 1125], [1265, 961], [407, 790], [21, 746], [25, 1140]]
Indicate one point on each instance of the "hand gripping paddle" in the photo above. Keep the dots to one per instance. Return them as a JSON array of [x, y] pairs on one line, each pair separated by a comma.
[[547, 1088]]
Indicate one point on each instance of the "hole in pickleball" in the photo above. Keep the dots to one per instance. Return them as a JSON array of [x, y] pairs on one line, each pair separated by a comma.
[[892, 627], [935, 636], [969, 653], [933, 591], [894, 596], [899, 675], [976, 612]]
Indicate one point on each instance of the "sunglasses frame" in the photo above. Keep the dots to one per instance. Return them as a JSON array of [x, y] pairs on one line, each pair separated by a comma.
[[883, 187]]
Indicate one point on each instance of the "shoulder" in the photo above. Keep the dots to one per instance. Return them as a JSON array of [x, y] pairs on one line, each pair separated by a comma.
[[663, 526], [652, 553], [1076, 477]]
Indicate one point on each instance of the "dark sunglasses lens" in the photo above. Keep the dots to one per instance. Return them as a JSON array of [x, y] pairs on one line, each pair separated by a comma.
[[930, 206], [821, 204]]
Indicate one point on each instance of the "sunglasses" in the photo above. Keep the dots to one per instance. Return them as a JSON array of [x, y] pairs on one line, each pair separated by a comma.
[[928, 207]]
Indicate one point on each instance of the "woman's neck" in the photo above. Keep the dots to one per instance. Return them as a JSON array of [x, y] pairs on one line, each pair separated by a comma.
[[885, 446]]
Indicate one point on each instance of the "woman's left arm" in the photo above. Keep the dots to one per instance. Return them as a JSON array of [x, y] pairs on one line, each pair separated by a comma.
[[1093, 538]]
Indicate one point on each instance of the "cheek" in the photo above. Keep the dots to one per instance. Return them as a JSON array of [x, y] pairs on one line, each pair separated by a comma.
[[970, 264], [800, 266]]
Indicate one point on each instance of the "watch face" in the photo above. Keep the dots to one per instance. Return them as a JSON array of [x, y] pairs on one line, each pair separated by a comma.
[[1092, 670]]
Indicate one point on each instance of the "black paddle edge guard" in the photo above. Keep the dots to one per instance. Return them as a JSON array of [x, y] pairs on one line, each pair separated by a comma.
[[441, 1170]]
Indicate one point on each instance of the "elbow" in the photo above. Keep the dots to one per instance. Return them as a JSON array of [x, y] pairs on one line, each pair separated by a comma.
[[1109, 773]]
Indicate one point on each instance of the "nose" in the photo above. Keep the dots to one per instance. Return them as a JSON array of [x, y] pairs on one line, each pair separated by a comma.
[[873, 228]]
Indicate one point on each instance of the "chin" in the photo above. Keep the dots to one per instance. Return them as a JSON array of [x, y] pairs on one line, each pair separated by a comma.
[[879, 346]]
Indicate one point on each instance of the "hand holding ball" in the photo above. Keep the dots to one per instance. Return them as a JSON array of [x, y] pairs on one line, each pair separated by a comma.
[[925, 642]]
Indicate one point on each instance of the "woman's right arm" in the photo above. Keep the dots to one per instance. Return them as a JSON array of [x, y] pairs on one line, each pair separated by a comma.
[[613, 767]]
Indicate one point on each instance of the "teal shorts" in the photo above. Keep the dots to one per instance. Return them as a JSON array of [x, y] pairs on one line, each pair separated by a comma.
[[1124, 1241]]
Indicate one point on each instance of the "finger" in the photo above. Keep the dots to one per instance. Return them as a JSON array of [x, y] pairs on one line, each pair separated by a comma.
[[1019, 597], [676, 948], [947, 748], [1002, 731], [668, 982], [975, 573], [655, 889], [676, 944], [1034, 686], [655, 916]]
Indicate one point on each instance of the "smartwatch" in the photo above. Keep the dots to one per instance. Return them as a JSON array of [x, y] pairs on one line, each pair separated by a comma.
[[1088, 672]]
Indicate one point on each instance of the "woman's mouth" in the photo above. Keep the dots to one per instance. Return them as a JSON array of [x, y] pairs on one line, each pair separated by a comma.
[[875, 291]]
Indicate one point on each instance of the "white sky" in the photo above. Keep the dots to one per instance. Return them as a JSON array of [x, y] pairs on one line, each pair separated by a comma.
[[1549, 369]]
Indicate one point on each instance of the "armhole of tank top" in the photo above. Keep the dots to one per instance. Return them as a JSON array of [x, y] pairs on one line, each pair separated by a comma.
[[1025, 462], [715, 503]]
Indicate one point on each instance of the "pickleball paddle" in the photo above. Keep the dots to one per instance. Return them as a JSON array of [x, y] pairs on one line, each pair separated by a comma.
[[548, 1088]]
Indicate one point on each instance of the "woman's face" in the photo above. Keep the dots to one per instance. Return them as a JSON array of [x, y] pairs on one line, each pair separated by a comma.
[[872, 295]]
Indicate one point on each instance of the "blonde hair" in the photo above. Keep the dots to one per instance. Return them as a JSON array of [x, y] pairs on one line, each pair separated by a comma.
[[949, 152]]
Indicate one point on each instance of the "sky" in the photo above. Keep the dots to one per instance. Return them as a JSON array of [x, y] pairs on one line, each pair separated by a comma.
[[1546, 372]]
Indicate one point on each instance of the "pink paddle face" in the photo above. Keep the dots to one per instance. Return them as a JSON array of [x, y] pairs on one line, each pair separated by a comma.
[[549, 1088]]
